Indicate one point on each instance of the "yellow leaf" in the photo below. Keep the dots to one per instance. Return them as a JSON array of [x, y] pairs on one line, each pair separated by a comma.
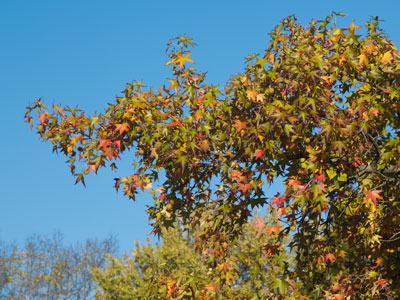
[[73, 141], [174, 84], [182, 59], [362, 59], [331, 173], [373, 274], [211, 286], [353, 27], [337, 31], [95, 121], [326, 78], [271, 58], [387, 57]]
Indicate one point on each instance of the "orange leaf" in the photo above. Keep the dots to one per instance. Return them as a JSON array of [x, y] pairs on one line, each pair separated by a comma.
[[154, 153], [198, 116], [109, 152], [278, 201], [342, 58], [373, 195], [121, 128], [211, 286], [104, 143], [240, 125], [339, 296], [224, 267], [270, 57], [43, 118], [330, 257], [295, 184], [118, 143], [93, 168], [374, 111], [245, 187], [274, 229], [252, 94], [357, 161], [281, 211]]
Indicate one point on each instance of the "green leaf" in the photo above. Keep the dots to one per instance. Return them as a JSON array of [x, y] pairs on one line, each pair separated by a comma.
[[281, 285]]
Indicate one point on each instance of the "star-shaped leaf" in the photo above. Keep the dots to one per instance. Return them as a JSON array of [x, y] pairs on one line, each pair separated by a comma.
[[373, 195], [121, 128], [182, 59]]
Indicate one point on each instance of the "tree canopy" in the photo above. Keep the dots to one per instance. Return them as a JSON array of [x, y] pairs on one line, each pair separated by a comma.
[[144, 274], [320, 109], [46, 269]]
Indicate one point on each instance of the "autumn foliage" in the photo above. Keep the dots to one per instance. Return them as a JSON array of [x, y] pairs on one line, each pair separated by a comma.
[[320, 109]]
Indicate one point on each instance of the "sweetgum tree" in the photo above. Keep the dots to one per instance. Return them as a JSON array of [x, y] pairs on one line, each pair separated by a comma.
[[320, 108]]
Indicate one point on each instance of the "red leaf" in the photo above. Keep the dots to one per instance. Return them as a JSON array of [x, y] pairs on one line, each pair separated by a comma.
[[373, 195], [387, 91], [381, 282], [278, 201], [320, 177], [259, 153], [237, 175], [356, 161]]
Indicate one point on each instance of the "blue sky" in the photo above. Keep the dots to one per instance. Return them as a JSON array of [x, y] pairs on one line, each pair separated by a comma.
[[82, 53]]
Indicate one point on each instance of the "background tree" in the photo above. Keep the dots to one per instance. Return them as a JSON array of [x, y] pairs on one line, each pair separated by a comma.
[[319, 108], [46, 269], [166, 270]]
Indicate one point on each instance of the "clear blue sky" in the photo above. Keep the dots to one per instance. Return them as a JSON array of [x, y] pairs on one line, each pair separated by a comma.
[[82, 53]]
